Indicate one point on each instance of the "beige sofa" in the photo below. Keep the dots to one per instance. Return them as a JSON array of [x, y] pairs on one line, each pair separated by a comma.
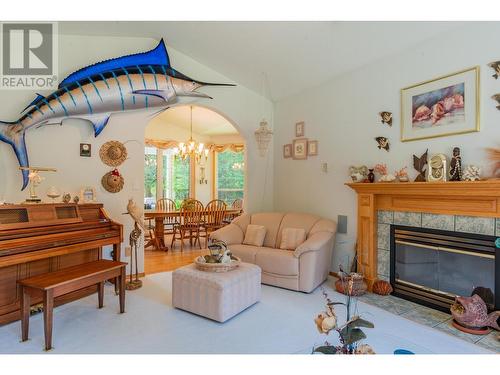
[[302, 269]]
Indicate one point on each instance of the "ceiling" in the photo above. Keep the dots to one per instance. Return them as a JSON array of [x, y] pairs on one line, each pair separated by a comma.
[[205, 121], [293, 55]]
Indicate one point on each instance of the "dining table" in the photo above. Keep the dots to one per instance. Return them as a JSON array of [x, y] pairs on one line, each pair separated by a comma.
[[157, 236]]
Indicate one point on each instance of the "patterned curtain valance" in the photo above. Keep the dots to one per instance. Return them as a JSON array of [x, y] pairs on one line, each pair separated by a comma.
[[160, 144], [235, 147]]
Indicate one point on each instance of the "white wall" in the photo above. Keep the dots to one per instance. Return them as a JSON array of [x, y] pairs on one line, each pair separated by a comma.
[[343, 115], [58, 147]]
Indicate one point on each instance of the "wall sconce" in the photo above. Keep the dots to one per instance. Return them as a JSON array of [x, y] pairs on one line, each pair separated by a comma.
[[263, 136], [202, 179]]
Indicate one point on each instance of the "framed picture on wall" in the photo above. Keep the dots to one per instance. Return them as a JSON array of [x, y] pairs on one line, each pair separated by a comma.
[[300, 129], [299, 149], [85, 150], [287, 151], [312, 148], [440, 107]]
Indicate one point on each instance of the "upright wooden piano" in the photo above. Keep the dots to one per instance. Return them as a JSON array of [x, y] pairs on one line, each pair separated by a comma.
[[40, 238]]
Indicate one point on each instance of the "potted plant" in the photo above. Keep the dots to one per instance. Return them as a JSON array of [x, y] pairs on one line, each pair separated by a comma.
[[349, 333]]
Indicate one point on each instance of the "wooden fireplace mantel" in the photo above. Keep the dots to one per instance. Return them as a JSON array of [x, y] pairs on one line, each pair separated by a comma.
[[479, 198]]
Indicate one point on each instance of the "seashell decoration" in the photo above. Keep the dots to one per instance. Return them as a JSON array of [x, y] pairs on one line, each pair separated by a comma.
[[364, 349], [471, 173], [382, 288]]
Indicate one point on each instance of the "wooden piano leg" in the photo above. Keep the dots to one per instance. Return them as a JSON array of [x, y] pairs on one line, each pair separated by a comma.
[[100, 294], [116, 257], [48, 307], [122, 290], [25, 313]]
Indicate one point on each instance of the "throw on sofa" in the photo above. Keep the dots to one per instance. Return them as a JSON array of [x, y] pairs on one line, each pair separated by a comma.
[[302, 268]]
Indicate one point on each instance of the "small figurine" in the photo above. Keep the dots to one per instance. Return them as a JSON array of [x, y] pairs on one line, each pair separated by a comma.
[[371, 176], [402, 174], [76, 199], [495, 65], [472, 173], [386, 117], [358, 174], [419, 163], [456, 165], [384, 175], [66, 198], [383, 143]]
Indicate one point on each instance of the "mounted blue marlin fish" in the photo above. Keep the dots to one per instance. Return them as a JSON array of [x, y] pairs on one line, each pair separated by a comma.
[[139, 81]]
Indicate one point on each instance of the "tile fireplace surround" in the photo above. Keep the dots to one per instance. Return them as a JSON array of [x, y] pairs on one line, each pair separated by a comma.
[[455, 223]]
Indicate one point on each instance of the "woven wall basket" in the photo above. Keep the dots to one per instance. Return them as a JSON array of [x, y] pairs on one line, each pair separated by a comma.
[[112, 183]]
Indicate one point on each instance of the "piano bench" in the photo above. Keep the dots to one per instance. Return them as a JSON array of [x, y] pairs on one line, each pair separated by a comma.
[[66, 280]]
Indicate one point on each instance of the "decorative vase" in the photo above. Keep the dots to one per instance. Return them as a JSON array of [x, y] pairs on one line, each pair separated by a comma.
[[371, 175], [358, 284]]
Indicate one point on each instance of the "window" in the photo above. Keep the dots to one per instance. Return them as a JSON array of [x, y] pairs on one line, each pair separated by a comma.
[[150, 181], [230, 183], [165, 176]]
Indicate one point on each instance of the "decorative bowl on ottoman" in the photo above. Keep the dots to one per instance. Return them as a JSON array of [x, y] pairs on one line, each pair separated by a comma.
[[203, 265], [220, 258]]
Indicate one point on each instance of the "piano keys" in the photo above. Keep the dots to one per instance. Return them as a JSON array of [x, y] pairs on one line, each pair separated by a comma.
[[41, 238]]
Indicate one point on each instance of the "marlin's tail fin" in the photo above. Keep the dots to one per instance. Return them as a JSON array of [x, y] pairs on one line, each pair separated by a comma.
[[13, 134]]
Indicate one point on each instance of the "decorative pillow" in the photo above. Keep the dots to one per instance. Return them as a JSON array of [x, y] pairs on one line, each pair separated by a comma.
[[292, 237], [255, 235]]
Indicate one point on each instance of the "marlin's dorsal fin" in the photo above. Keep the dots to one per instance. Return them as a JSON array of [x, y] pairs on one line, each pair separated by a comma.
[[157, 56], [38, 99]]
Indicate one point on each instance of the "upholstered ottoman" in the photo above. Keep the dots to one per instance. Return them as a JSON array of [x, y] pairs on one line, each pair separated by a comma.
[[218, 296]]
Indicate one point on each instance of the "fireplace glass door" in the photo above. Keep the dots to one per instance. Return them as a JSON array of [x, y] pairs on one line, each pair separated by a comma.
[[434, 267]]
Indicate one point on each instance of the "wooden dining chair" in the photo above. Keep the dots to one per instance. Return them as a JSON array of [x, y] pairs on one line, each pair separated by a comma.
[[190, 221], [236, 205], [167, 205], [215, 212]]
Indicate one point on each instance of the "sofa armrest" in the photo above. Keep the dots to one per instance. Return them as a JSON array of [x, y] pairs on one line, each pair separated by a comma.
[[231, 234], [316, 242]]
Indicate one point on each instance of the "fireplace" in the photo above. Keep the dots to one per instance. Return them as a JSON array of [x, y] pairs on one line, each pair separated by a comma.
[[431, 267]]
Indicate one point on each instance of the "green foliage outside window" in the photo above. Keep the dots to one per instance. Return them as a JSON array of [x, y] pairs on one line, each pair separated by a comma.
[[181, 180], [230, 176], [150, 176]]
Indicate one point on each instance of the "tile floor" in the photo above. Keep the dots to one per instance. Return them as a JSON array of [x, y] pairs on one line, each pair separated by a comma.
[[431, 318]]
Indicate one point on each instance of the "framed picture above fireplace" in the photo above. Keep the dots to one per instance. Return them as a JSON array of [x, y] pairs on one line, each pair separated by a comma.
[[441, 107]]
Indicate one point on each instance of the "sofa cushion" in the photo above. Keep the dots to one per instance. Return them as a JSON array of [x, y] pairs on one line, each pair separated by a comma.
[[280, 262], [271, 220], [294, 220], [291, 238], [245, 252], [255, 235]]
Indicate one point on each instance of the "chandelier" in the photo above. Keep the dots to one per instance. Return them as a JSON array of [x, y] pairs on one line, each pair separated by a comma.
[[191, 148]]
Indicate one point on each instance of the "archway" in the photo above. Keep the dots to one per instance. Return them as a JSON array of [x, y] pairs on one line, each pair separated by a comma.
[[217, 172]]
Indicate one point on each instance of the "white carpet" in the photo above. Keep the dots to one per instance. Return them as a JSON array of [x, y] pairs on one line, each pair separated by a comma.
[[282, 322]]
